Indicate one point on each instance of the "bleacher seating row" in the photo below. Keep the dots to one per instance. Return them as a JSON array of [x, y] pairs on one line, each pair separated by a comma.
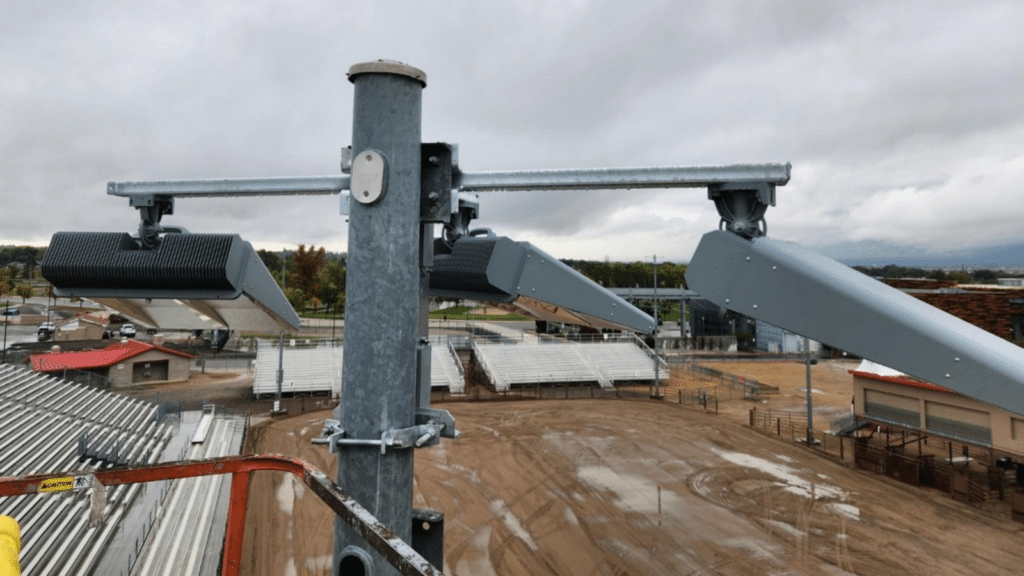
[[44, 421], [310, 369], [317, 370], [446, 369], [307, 370], [528, 364]]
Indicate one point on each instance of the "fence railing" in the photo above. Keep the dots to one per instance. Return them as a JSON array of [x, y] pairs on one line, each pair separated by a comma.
[[967, 472], [748, 387], [204, 365], [574, 391]]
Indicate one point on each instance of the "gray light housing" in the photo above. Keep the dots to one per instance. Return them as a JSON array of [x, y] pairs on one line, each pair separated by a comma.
[[189, 281], [814, 296], [519, 277]]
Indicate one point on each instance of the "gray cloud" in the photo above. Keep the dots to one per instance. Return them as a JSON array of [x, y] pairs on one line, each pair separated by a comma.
[[902, 120]]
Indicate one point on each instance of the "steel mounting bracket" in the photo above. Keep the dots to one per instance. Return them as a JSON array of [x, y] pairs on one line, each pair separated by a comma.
[[438, 200], [742, 206], [432, 425], [152, 207]]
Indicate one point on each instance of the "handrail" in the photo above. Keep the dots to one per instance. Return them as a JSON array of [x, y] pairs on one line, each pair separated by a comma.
[[392, 548]]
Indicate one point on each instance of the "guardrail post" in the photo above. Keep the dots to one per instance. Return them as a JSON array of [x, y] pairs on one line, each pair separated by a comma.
[[236, 523]]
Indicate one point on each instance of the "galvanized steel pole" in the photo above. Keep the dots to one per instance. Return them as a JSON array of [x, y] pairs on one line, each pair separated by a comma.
[[386, 297]]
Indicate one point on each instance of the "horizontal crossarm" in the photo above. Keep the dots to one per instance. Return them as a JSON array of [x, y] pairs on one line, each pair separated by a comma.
[[572, 179]]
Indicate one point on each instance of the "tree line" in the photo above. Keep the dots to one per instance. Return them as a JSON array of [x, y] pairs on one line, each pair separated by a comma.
[[631, 274], [313, 278], [981, 276]]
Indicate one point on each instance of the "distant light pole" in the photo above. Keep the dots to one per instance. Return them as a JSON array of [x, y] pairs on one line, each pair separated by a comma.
[[657, 359], [810, 411], [280, 376]]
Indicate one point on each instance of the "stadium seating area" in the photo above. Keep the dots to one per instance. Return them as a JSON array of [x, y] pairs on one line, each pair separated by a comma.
[[317, 370], [527, 364], [445, 369], [51, 425], [308, 369]]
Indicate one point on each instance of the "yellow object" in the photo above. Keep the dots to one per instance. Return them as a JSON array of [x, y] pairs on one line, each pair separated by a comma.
[[10, 547], [57, 484]]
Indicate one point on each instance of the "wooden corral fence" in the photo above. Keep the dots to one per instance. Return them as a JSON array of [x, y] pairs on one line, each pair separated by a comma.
[[793, 426], [913, 470], [1017, 506], [739, 386], [572, 390], [967, 473]]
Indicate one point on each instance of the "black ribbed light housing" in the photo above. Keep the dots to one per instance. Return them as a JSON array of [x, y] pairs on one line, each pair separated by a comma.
[[77, 261]]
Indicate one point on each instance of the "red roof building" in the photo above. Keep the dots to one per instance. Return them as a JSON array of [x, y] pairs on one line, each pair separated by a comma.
[[124, 363]]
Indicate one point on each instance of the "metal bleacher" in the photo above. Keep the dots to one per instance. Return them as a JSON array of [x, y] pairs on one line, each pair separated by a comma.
[[624, 361], [530, 364], [317, 369], [446, 369], [50, 425], [308, 369]]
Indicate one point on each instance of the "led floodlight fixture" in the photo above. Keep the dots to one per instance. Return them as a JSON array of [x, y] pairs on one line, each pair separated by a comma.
[[521, 278], [188, 281]]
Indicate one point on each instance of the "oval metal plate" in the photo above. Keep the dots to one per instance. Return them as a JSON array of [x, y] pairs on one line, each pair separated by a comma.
[[369, 177]]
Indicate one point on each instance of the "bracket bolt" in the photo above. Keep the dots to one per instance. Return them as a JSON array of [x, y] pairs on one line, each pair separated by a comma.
[[434, 161], [433, 196]]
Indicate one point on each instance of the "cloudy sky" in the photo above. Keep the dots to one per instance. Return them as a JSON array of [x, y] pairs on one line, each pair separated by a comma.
[[904, 121]]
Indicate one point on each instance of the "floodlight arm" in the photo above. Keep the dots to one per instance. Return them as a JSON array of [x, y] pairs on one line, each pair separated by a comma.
[[809, 294]]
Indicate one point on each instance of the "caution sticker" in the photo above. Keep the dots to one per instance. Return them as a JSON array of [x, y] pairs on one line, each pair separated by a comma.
[[66, 483], [57, 484]]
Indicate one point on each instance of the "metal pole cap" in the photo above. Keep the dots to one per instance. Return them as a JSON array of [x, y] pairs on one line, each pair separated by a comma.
[[387, 67]]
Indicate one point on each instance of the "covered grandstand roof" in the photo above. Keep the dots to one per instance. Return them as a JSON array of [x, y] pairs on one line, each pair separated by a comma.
[[109, 356]]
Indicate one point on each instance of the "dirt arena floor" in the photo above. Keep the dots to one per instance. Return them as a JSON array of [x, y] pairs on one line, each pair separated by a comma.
[[626, 487]]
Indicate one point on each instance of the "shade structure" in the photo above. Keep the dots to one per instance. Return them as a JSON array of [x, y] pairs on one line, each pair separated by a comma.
[[189, 281], [520, 277]]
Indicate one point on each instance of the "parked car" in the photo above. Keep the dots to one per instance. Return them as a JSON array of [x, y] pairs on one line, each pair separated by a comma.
[[46, 330], [128, 330], [11, 312]]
